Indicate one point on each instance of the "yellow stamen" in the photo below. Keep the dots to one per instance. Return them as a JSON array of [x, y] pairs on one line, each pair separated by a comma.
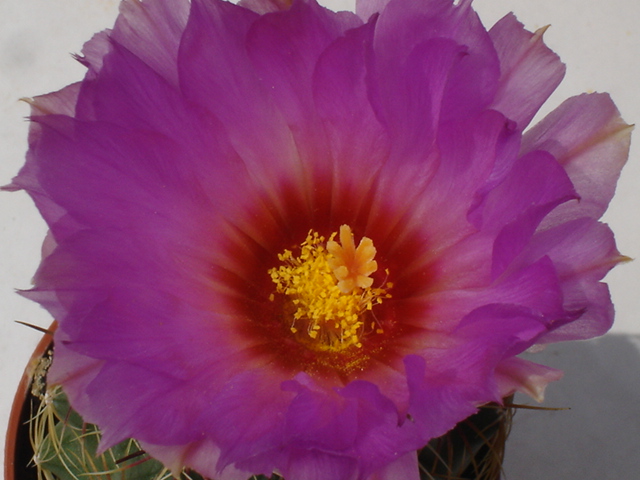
[[330, 288]]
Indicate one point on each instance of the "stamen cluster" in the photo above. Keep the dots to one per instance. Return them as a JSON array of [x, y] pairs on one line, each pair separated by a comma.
[[330, 287]]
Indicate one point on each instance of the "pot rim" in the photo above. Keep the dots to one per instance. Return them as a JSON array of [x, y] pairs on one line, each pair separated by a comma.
[[19, 400]]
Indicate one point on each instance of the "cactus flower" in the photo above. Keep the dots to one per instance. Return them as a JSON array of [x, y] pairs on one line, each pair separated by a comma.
[[285, 239]]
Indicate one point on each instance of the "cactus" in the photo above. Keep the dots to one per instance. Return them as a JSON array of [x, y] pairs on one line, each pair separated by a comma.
[[65, 446]]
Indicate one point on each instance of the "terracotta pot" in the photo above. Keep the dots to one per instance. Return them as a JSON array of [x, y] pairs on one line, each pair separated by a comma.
[[17, 451]]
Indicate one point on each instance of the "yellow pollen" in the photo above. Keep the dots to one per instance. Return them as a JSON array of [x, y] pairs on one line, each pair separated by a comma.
[[330, 288]]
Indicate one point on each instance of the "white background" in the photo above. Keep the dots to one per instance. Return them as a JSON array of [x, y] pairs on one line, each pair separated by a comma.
[[599, 40]]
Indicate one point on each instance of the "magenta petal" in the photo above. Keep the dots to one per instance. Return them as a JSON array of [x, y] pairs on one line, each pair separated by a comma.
[[535, 287], [591, 141], [436, 404], [137, 158], [93, 53], [404, 26], [359, 143], [244, 424], [380, 438], [152, 31], [318, 465], [366, 8], [62, 102], [500, 331], [202, 456], [117, 382], [405, 467], [515, 374], [76, 371], [217, 74], [427, 76], [516, 207], [265, 6], [583, 251], [357, 423], [127, 94], [472, 156], [331, 427], [530, 71], [284, 50], [546, 186]]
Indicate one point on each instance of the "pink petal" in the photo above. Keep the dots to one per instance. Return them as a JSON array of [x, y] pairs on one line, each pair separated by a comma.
[[583, 251], [62, 102], [265, 6], [404, 27], [514, 209], [284, 50], [406, 468], [530, 71], [201, 456], [217, 74], [94, 51], [517, 375], [317, 465], [357, 141], [366, 8], [535, 287], [437, 404], [152, 31], [591, 141]]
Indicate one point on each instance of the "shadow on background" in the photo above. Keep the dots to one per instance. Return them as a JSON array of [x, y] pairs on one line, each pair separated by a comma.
[[599, 438]]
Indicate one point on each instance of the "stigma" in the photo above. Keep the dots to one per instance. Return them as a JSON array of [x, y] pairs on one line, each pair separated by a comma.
[[328, 289]]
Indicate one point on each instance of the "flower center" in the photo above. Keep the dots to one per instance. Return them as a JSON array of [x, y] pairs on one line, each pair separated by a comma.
[[329, 290]]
